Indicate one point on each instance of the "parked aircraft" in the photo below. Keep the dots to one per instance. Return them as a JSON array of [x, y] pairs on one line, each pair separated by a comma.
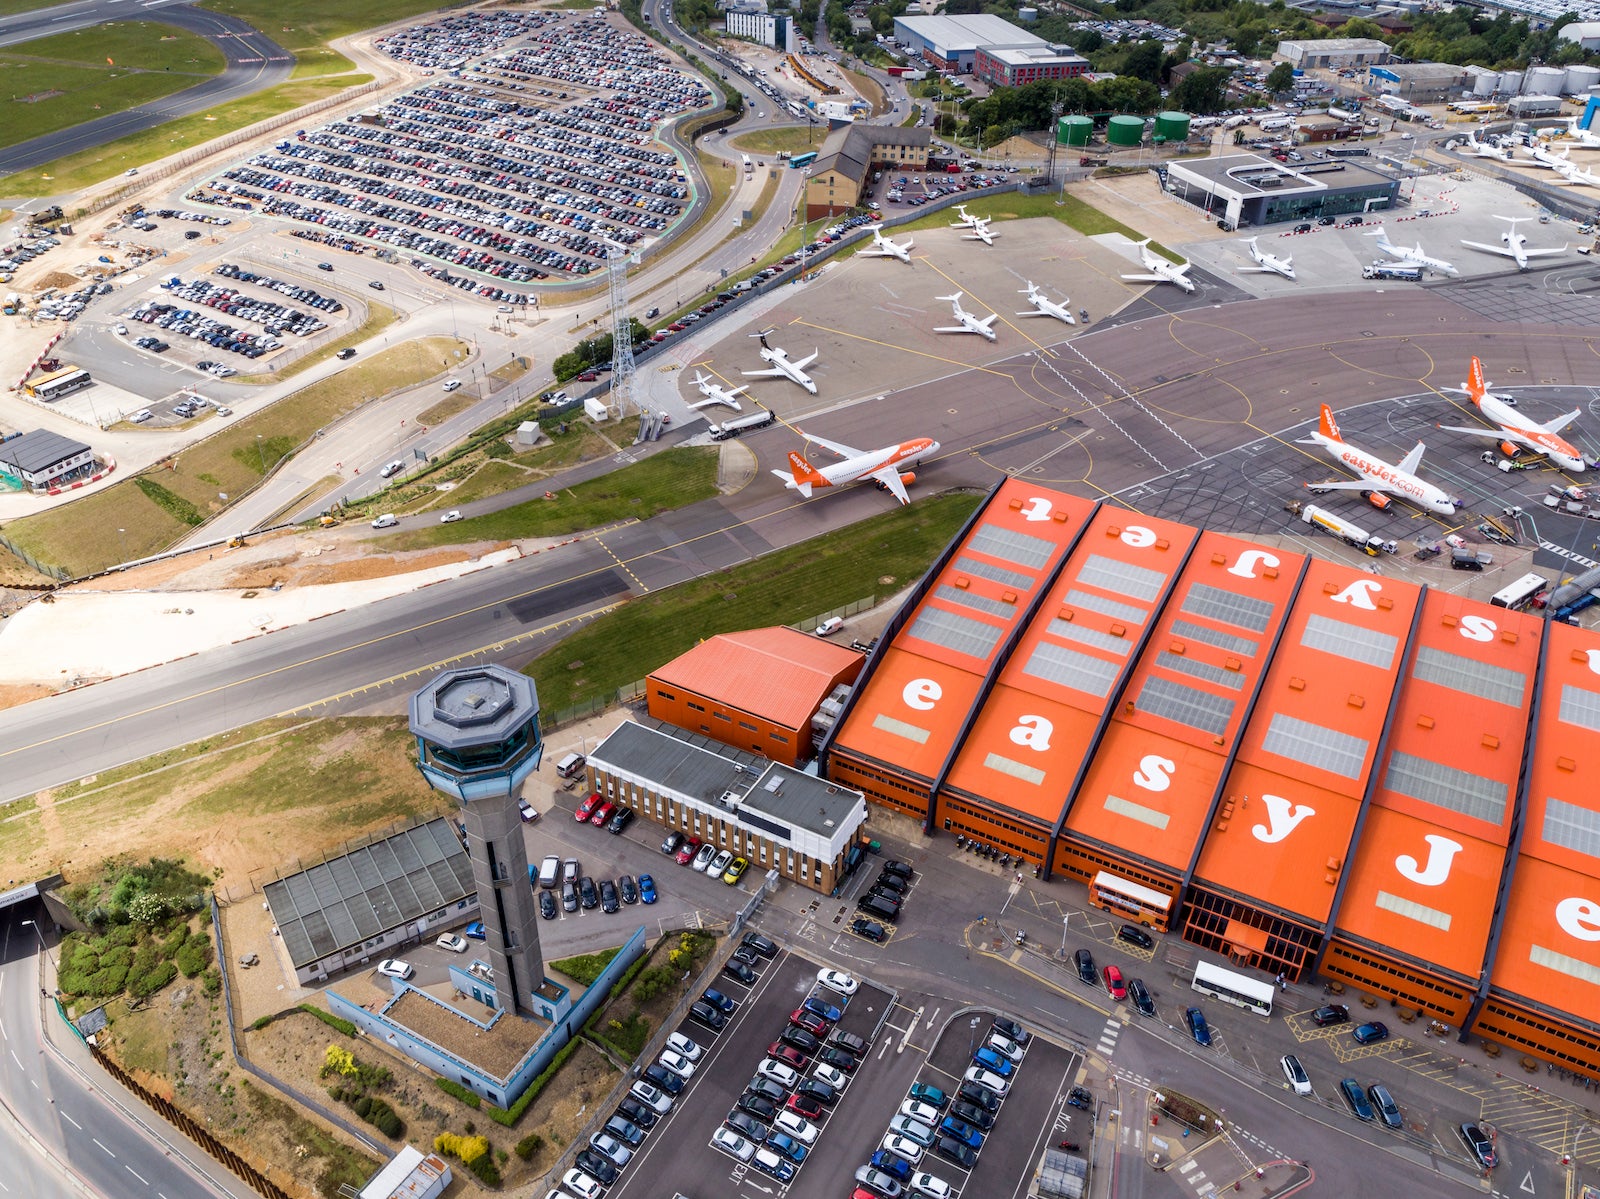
[[882, 247], [1515, 246], [1587, 138], [883, 467], [1516, 428], [980, 232], [1485, 149], [715, 393], [967, 220], [1044, 306], [1160, 270], [1410, 255], [1570, 172], [1267, 263], [782, 367], [1540, 155], [965, 321], [1376, 474]]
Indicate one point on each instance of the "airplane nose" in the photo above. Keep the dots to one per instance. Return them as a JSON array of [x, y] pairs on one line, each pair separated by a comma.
[[933, 447]]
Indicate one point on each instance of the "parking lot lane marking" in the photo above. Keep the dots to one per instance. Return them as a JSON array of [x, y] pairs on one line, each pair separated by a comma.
[[934, 1016]]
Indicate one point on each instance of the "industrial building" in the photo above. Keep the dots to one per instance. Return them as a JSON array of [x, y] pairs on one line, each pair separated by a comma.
[[1332, 54], [767, 29], [1017, 67], [850, 155], [1418, 82], [41, 460], [1252, 190], [1298, 764], [951, 44]]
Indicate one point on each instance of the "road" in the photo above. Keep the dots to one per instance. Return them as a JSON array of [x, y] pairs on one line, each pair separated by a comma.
[[254, 62]]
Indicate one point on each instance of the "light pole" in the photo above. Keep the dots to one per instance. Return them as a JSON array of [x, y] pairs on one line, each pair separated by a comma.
[[1064, 920], [47, 955], [122, 541], [260, 456]]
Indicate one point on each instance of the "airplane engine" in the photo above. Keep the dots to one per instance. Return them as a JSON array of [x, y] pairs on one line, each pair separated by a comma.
[[908, 477], [1510, 450], [1377, 499]]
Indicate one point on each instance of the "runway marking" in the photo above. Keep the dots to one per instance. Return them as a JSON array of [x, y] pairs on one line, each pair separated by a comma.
[[1010, 324], [873, 341], [1197, 453]]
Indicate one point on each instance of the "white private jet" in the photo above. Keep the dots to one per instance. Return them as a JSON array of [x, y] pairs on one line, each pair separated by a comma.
[[1377, 476], [1044, 306], [1542, 155], [715, 393], [1516, 428], [981, 232], [883, 466], [1485, 150], [1570, 172], [782, 367], [1586, 138], [965, 321], [1515, 246], [1411, 255], [1265, 263], [967, 220], [1160, 269], [882, 247]]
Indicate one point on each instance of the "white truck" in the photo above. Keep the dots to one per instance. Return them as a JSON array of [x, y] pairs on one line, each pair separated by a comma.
[[1346, 531]]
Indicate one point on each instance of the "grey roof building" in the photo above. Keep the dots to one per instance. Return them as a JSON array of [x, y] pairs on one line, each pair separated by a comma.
[[1250, 189], [40, 458]]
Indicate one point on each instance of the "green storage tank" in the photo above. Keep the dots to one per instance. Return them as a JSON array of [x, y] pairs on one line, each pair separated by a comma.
[[1125, 131], [1174, 126], [1074, 131]]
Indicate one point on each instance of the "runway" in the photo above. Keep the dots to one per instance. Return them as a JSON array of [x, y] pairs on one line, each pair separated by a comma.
[[254, 62]]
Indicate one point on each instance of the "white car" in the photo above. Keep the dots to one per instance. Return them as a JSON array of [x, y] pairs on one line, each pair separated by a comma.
[[796, 1126], [925, 1184], [681, 1044], [395, 968], [451, 384], [987, 1079], [783, 1075], [609, 1147], [924, 1112], [452, 942], [677, 1063], [1005, 1047], [719, 863], [837, 1079], [903, 1147], [141, 416], [837, 980], [731, 1142], [703, 859], [830, 626], [450, 517], [581, 1185], [1295, 1074], [120, 330], [656, 1100]]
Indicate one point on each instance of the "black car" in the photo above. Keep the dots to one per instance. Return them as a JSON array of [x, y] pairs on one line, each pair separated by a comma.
[[1324, 221], [1352, 221], [1135, 935], [747, 955], [820, 1091], [628, 889], [1479, 1145], [324, 266], [709, 1016], [632, 1110], [1139, 995], [978, 1096], [900, 869], [1010, 1030], [747, 1126], [547, 904], [767, 1088], [839, 1059], [760, 944], [890, 884], [609, 903], [1334, 1013], [603, 1169], [876, 905], [587, 894], [741, 972], [670, 845], [1302, 228], [1084, 961], [957, 1151], [888, 895], [869, 929], [974, 1115], [669, 1081], [759, 1106], [345, 354], [794, 1035], [620, 821]]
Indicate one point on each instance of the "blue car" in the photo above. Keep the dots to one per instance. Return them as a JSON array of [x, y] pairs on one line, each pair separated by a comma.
[[826, 1010], [475, 930], [990, 1060], [780, 1142], [647, 889], [1196, 1020], [718, 1000], [1367, 1034], [896, 1167], [962, 1131]]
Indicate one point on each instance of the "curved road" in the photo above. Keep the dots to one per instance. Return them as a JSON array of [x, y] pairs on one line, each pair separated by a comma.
[[254, 62]]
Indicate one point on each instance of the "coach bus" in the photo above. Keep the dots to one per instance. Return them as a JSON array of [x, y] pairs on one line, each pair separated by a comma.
[[1521, 594], [59, 383], [1236, 989], [796, 161], [1130, 900]]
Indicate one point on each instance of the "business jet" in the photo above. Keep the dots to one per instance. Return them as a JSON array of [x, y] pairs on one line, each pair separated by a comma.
[[1485, 149], [1160, 269], [883, 467], [1570, 172], [715, 393], [1267, 263], [965, 321], [981, 232], [1586, 138], [1411, 255], [782, 367], [1044, 306], [1515, 246], [1515, 428], [882, 247], [967, 220], [1377, 476]]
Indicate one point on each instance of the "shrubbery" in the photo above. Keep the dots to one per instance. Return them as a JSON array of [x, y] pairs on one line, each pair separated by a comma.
[[467, 1096], [361, 1077], [529, 1145], [473, 1153]]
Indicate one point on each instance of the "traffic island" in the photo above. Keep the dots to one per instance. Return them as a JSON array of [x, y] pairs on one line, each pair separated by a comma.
[[1179, 1127]]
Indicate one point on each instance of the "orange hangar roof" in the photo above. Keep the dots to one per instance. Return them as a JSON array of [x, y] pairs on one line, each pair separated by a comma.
[[1031, 738], [1289, 804], [778, 673], [1550, 943], [1147, 793], [911, 711], [1426, 869]]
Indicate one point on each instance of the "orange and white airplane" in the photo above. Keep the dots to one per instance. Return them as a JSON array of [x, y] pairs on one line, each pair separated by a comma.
[[1377, 476], [1517, 429], [883, 467]]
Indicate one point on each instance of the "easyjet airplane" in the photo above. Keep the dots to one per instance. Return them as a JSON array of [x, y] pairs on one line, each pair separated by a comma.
[[1376, 474], [1516, 428], [883, 467]]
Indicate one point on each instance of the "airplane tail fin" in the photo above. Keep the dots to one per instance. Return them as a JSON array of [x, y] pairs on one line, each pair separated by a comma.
[[804, 476], [1475, 385], [1329, 427]]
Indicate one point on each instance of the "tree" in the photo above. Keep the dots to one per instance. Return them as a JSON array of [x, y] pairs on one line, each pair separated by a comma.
[[1201, 91], [1280, 78]]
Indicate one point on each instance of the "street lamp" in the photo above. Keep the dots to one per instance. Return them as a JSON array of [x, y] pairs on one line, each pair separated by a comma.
[[260, 456], [122, 541]]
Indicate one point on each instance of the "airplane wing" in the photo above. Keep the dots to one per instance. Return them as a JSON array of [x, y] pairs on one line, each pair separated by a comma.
[[773, 373], [1257, 270], [1145, 278], [952, 329], [988, 320], [1358, 485], [1561, 422], [1488, 249], [833, 447], [872, 252], [1526, 253], [1412, 460], [807, 361], [889, 478], [1491, 434]]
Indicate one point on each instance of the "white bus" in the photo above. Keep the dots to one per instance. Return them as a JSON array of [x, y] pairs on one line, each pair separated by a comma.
[[60, 383], [1233, 988], [1122, 897], [1520, 594]]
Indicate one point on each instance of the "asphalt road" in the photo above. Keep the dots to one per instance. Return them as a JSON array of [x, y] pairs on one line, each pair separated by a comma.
[[254, 62]]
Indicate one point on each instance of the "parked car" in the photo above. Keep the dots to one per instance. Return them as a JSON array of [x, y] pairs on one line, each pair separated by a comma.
[[974, 1115], [587, 807], [620, 820], [956, 1151], [1139, 996], [707, 855], [810, 1088], [732, 1143], [1295, 1074], [923, 1092], [1370, 1033], [822, 1008], [987, 1079], [800, 1039], [779, 1072], [954, 1126], [1333, 1013], [839, 1059], [1114, 984], [879, 1182], [741, 972], [903, 1149], [647, 889], [870, 929], [1383, 1103], [837, 980], [679, 1063], [628, 889], [735, 871], [718, 1000], [762, 945], [719, 864], [588, 893], [395, 968], [610, 1148], [1356, 1099], [547, 904], [979, 1096], [529, 812], [668, 1080], [651, 1096], [452, 942], [670, 845], [1084, 961], [924, 1113], [757, 1107], [1135, 935], [1011, 1030], [631, 1110], [1198, 1029], [990, 1060], [809, 1021], [916, 1130], [1479, 1145], [796, 1126], [582, 1185], [602, 1169], [706, 1014], [602, 813]]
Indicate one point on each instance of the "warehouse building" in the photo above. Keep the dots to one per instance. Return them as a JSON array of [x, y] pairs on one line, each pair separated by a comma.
[[1332, 54], [41, 460], [1250, 190], [1418, 82], [951, 44], [851, 154]]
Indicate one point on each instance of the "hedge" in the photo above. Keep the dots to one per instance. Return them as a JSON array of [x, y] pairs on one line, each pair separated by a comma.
[[468, 1097], [507, 1117], [330, 1019]]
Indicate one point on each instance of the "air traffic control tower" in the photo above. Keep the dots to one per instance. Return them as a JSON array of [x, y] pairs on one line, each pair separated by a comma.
[[477, 731]]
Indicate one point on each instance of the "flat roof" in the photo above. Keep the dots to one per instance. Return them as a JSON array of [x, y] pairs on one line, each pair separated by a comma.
[[1234, 172], [1401, 72], [961, 34], [1032, 56], [777, 673], [1337, 44], [495, 1045], [473, 705], [1290, 802], [40, 450]]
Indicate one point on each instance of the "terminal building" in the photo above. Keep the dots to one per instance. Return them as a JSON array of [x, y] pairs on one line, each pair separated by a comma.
[[1297, 764], [1252, 190]]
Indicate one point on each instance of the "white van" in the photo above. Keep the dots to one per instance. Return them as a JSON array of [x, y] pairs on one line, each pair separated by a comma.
[[387, 521], [549, 872], [571, 766]]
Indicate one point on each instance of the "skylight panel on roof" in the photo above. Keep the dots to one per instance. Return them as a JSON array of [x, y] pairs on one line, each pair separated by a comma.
[[1185, 705], [1068, 631], [954, 631], [1580, 707], [1447, 787], [1090, 602], [995, 574], [1082, 672], [1228, 607], [1470, 676], [1010, 546], [1313, 745], [1350, 641], [981, 603], [1210, 672], [1571, 827], [1190, 631], [1121, 578]]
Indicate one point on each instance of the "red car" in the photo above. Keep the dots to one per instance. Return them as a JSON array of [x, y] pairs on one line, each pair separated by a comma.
[[1114, 982], [801, 1105], [603, 813], [587, 807], [686, 851], [812, 1023], [787, 1054]]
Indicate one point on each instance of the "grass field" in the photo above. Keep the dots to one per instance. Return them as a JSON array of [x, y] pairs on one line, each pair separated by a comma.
[[12, 7], [71, 81], [783, 587], [150, 511], [1068, 209], [306, 26], [771, 141]]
